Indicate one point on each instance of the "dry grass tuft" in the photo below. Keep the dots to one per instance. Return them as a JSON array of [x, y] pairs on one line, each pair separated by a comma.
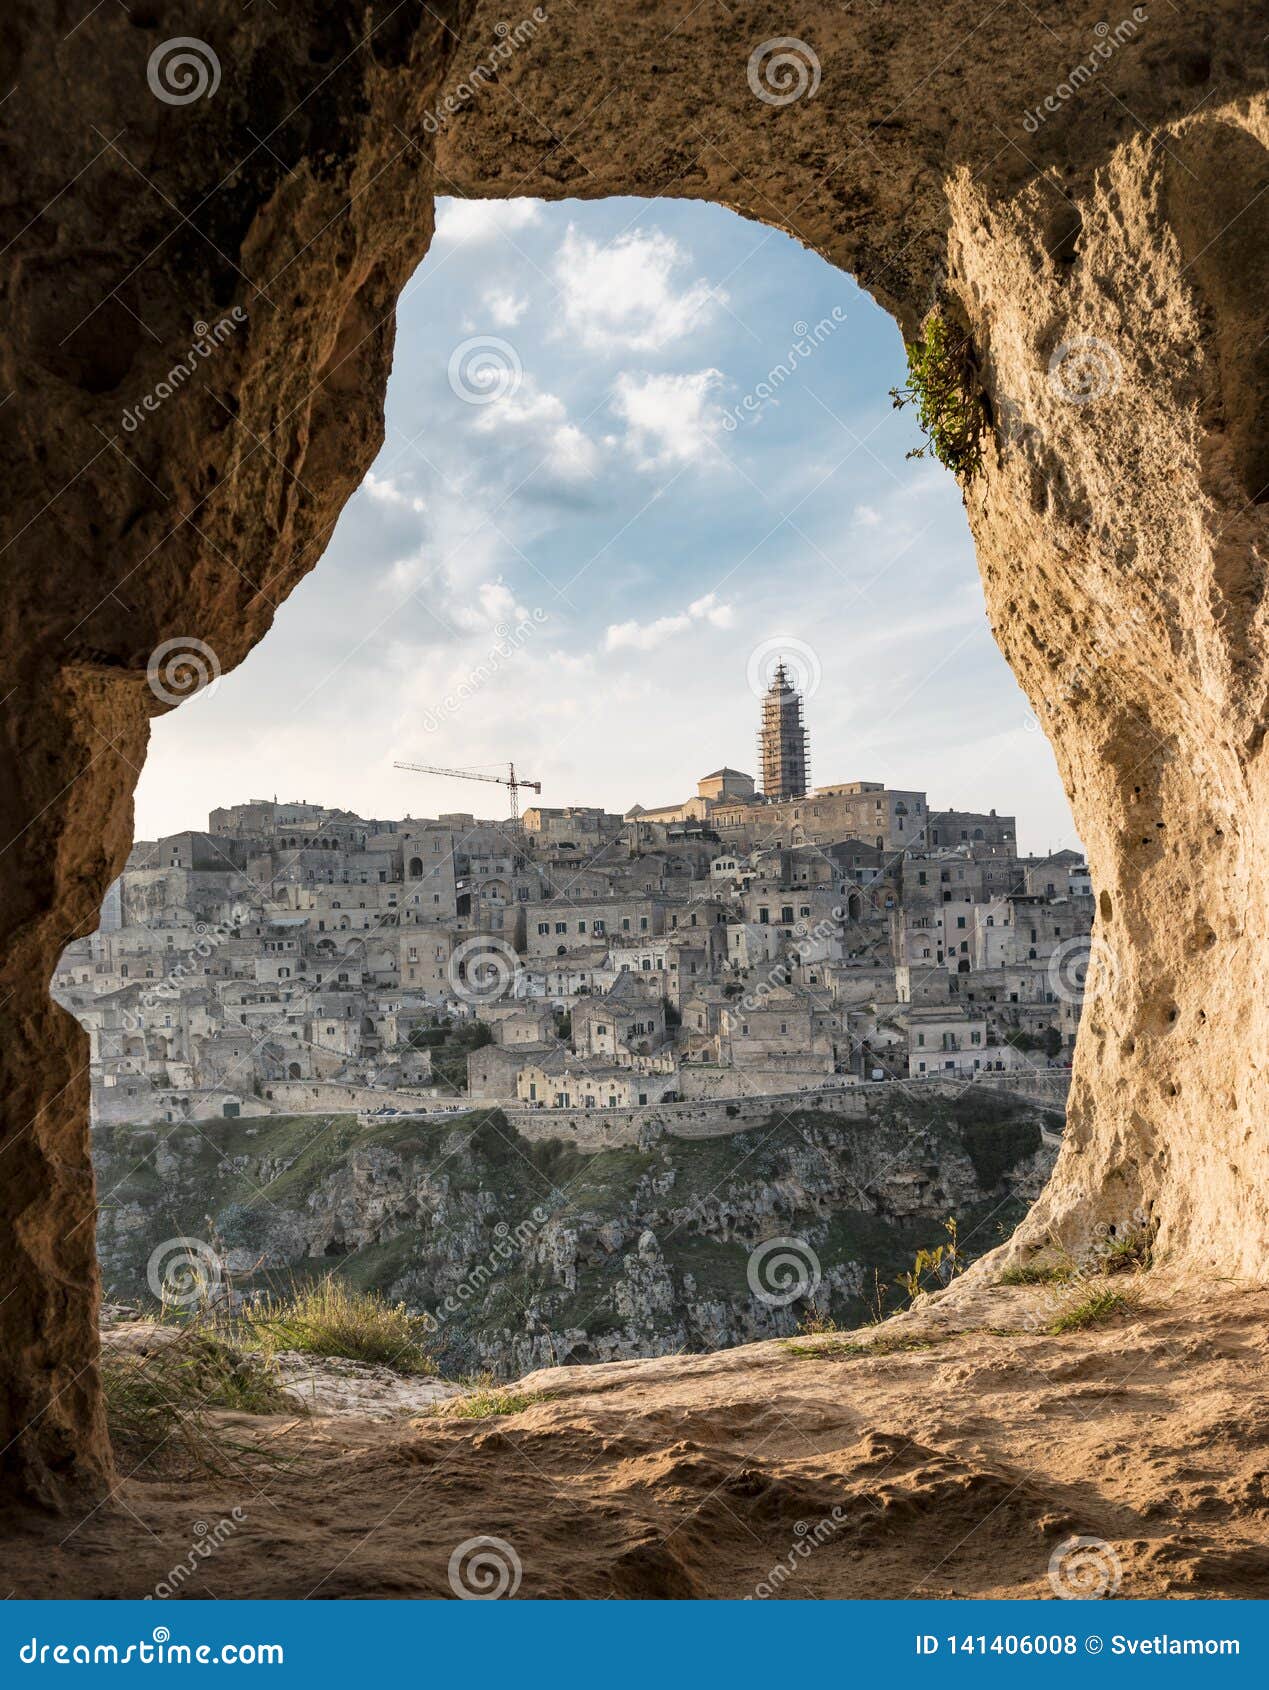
[[332, 1318]]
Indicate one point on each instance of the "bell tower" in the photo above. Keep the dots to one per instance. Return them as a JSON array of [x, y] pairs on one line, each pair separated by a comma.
[[783, 750]]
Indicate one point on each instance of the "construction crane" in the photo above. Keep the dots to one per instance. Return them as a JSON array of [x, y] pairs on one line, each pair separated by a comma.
[[510, 780]]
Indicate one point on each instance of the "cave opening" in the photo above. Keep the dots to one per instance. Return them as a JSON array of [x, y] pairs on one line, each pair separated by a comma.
[[639, 456], [1116, 519]]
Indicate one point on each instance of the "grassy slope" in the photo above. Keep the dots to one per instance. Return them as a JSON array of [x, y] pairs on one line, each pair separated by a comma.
[[234, 1177]]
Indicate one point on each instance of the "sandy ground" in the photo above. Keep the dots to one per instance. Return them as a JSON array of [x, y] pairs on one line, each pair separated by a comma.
[[963, 1466]]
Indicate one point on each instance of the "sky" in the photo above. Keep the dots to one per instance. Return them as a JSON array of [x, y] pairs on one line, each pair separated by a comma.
[[636, 451]]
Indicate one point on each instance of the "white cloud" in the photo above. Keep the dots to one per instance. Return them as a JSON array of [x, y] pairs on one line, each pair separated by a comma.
[[494, 605], [567, 452], [526, 406], [646, 636], [469, 221], [717, 614], [506, 309], [385, 491], [866, 516], [621, 293], [574, 456], [671, 418]]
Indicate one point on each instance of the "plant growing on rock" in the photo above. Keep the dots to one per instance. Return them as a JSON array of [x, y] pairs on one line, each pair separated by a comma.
[[484, 1404], [942, 384], [941, 1264], [160, 1392], [331, 1318]]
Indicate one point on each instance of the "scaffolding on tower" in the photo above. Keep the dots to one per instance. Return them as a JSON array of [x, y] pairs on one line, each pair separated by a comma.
[[783, 750]]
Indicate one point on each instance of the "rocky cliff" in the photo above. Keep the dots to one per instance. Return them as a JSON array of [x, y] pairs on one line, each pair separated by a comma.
[[531, 1253]]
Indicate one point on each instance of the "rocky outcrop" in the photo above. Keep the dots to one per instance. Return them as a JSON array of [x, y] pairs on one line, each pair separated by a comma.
[[1098, 240], [530, 1254]]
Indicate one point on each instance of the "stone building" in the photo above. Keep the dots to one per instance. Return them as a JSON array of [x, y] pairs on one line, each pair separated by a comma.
[[783, 751], [732, 944]]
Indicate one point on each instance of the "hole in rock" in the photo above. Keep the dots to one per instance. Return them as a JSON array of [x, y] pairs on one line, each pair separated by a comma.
[[791, 853]]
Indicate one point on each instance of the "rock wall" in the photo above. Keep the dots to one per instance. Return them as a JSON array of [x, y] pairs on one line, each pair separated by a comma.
[[599, 1129], [1107, 265], [528, 1252]]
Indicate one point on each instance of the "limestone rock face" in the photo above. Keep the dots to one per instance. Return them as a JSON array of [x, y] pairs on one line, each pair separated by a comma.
[[523, 1254], [1100, 238]]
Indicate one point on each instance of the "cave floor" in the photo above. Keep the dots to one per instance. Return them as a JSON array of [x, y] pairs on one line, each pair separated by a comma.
[[959, 1462]]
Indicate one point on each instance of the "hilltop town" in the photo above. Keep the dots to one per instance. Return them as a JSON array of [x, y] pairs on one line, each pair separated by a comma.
[[742, 943]]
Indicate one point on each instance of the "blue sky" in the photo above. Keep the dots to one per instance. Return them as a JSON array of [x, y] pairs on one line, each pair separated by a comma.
[[581, 548]]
